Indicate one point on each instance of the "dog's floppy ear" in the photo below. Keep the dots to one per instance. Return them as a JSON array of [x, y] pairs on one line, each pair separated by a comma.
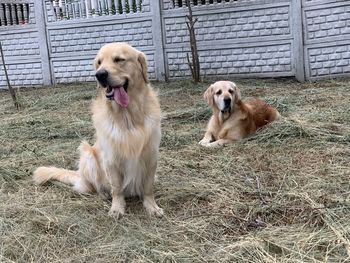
[[209, 95], [238, 96], [143, 63]]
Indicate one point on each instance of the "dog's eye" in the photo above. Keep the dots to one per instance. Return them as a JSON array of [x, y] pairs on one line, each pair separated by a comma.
[[98, 62], [231, 91], [117, 60], [218, 92]]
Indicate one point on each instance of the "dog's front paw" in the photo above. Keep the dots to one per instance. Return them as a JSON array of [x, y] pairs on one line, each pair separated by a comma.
[[204, 142], [151, 207], [118, 208], [215, 144], [116, 212], [155, 211]]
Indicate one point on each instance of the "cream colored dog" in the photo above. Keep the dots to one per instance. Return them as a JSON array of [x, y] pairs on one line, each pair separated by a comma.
[[126, 116], [233, 119]]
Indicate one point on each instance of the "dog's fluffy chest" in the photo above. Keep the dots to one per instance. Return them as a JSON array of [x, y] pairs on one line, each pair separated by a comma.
[[124, 142], [226, 125]]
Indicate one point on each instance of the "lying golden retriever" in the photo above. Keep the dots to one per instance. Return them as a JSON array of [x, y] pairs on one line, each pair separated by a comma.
[[233, 119], [126, 116]]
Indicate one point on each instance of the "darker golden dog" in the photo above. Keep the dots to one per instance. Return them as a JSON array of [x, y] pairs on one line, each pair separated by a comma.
[[233, 119]]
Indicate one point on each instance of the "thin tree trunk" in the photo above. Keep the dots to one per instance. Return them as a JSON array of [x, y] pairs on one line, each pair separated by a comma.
[[12, 92], [194, 65]]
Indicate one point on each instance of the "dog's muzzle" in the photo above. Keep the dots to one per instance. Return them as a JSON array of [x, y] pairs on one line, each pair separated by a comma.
[[227, 105]]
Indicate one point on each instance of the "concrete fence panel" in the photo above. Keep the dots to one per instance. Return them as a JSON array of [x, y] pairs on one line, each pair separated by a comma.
[[55, 41]]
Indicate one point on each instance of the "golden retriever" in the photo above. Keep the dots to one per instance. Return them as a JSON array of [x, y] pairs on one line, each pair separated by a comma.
[[233, 119], [126, 117]]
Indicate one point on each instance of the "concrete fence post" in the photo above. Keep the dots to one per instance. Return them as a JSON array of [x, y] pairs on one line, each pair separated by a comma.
[[157, 31], [39, 9], [297, 42]]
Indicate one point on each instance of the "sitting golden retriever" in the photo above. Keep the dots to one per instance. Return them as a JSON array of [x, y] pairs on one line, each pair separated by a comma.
[[126, 117], [233, 119]]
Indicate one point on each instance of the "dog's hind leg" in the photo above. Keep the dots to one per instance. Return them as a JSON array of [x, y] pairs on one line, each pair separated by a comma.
[[91, 172]]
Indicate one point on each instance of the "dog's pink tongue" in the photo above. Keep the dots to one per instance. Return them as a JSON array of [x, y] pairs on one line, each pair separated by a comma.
[[121, 97]]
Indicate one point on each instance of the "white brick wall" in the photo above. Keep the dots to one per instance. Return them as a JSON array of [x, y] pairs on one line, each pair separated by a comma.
[[327, 38], [239, 38], [21, 52], [232, 40], [271, 60], [74, 44]]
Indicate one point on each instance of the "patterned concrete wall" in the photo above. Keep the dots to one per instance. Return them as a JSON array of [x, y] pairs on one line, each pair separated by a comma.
[[22, 53], [74, 45], [327, 38], [251, 38], [308, 39]]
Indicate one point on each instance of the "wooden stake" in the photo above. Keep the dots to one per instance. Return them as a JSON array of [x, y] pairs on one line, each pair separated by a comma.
[[12, 92]]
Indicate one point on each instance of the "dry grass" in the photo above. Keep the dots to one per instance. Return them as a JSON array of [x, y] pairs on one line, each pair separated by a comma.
[[279, 196]]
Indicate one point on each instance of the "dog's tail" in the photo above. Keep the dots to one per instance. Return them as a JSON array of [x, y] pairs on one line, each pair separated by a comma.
[[83, 180], [45, 174]]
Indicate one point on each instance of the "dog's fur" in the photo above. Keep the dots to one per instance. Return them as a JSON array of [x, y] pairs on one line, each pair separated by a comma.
[[123, 160], [233, 119]]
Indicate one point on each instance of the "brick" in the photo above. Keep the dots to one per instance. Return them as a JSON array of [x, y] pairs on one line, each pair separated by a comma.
[[320, 20], [227, 64], [329, 64], [345, 55], [319, 34], [324, 12], [313, 28], [266, 69], [315, 52], [338, 10], [260, 62], [322, 58], [265, 32], [279, 17], [233, 70], [253, 33], [221, 58], [336, 70], [270, 25], [243, 57], [335, 56], [344, 31], [242, 21], [222, 71], [258, 25], [242, 34], [243, 70], [238, 64], [341, 49], [272, 62], [285, 61], [323, 71], [247, 27], [341, 63], [255, 69], [345, 16], [279, 68], [249, 63]]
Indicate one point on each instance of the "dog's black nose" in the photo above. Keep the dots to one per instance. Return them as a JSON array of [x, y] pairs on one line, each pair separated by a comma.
[[102, 76], [227, 101]]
